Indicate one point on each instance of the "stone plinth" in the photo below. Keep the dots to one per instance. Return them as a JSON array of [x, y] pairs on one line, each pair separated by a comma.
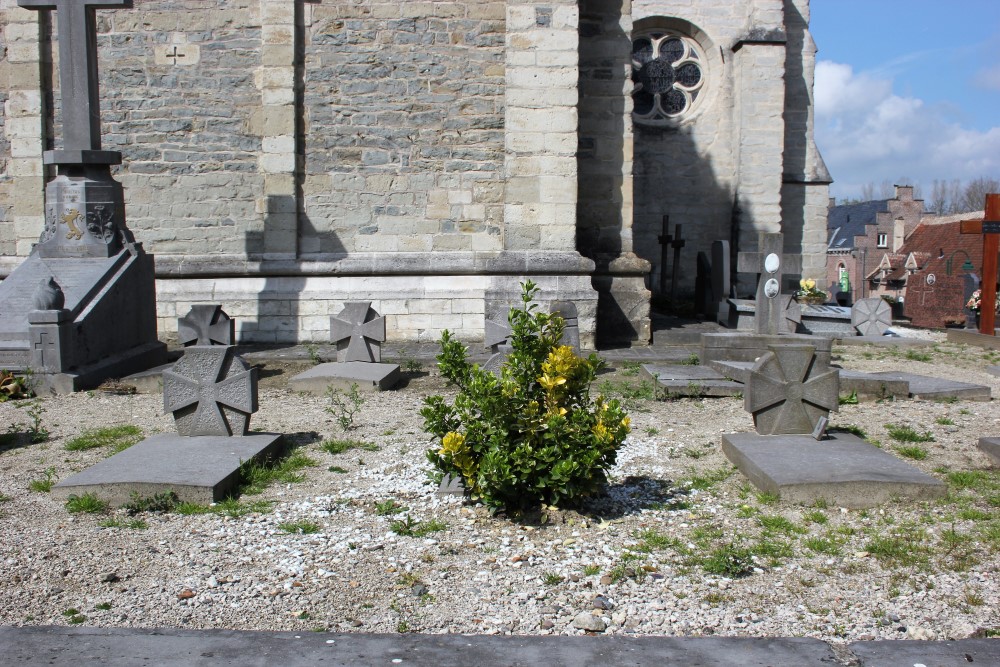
[[198, 469], [991, 447], [843, 470], [745, 346], [371, 377]]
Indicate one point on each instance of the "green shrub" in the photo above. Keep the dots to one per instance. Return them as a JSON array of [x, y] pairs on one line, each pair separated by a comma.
[[534, 434]]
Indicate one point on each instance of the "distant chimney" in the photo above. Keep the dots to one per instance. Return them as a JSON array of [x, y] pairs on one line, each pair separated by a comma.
[[832, 202], [898, 233], [904, 193]]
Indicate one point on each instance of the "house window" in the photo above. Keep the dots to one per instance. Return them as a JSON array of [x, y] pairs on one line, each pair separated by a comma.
[[883, 240], [667, 70]]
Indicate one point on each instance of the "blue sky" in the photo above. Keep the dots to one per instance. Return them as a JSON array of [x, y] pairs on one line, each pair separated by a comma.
[[907, 89]]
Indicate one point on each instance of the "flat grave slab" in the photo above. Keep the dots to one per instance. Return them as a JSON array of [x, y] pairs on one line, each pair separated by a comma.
[[148, 381], [956, 653], [922, 386], [744, 346], [869, 384], [692, 380], [823, 320], [199, 469], [738, 371], [341, 375], [885, 341], [991, 447], [844, 469]]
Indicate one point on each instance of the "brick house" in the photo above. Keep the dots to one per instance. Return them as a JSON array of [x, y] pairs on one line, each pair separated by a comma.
[[860, 236]]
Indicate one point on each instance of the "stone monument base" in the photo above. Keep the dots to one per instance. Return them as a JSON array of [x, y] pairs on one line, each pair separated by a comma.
[[200, 469], [843, 469], [991, 447], [341, 375], [746, 346]]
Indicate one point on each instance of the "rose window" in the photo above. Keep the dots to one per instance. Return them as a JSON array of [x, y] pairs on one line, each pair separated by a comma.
[[667, 73]]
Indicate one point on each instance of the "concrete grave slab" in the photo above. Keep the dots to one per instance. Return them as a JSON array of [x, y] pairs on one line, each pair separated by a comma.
[[887, 340], [844, 470], [823, 320], [745, 346], [199, 469], [896, 652], [341, 375], [991, 447], [922, 386], [148, 382], [692, 380], [869, 384]]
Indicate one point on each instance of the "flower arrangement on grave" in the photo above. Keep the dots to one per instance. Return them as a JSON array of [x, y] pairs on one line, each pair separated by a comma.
[[532, 434], [809, 293], [975, 302]]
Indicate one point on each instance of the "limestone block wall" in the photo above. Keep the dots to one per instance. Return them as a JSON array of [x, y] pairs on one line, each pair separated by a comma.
[[404, 127]]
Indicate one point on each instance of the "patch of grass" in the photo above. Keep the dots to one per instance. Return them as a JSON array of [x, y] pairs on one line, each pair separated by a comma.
[[651, 431], [344, 405], [908, 434], [692, 360], [848, 399], [906, 548], [822, 545], [776, 522], [710, 478], [102, 606], [729, 560], [591, 570], [977, 480], [74, 617], [335, 446], [630, 368], [913, 355], [118, 438], [407, 527], [88, 503], [230, 507], [651, 540], [915, 452], [767, 497], [850, 428], [973, 514], [255, 476], [815, 516], [132, 524], [44, 484], [944, 421], [300, 527], [337, 469], [551, 579]]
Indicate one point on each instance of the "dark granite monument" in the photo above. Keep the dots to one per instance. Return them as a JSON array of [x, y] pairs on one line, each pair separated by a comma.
[[82, 306]]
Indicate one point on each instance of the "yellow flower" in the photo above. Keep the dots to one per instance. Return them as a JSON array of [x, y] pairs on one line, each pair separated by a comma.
[[626, 422]]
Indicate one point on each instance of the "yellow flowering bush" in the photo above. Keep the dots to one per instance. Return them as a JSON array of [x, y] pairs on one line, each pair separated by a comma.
[[534, 434]]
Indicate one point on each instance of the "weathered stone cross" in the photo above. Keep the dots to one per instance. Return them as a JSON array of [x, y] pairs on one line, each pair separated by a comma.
[[206, 325], [81, 108], [211, 391], [771, 264], [356, 336]]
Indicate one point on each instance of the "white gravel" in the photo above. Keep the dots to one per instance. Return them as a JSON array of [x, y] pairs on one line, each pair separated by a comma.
[[487, 574]]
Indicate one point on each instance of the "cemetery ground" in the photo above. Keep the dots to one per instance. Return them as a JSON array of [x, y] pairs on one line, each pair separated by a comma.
[[346, 532]]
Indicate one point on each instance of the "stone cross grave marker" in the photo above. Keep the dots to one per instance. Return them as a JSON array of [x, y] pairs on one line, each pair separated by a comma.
[[81, 108], [771, 265], [789, 390], [358, 332], [206, 325], [210, 391], [872, 316]]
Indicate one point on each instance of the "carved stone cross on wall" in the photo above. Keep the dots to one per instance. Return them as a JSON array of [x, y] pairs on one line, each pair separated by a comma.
[[771, 264], [81, 108], [357, 332], [210, 391]]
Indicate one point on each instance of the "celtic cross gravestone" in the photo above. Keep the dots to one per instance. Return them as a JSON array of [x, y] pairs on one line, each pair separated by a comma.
[[358, 332], [210, 391], [789, 390]]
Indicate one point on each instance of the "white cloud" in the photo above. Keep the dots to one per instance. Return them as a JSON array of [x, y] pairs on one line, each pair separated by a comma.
[[988, 78], [867, 134]]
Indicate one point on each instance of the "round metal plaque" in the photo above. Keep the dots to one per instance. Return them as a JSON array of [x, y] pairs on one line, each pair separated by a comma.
[[771, 263], [771, 288]]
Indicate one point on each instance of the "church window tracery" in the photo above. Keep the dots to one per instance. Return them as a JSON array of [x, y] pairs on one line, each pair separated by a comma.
[[667, 70]]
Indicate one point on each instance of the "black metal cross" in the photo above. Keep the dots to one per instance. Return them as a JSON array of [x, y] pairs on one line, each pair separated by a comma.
[[81, 107]]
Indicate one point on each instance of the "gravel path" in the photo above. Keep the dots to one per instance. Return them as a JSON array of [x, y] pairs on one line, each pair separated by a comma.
[[632, 562]]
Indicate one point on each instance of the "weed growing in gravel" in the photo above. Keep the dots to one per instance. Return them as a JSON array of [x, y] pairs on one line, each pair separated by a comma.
[[630, 566], [651, 431], [651, 540], [630, 368], [230, 507], [907, 547], [158, 502], [73, 616], [729, 560], [691, 360], [908, 434], [407, 527], [45, 484], [551, 579], [944, 421], [5, 498], [344, 405], [815, 516], [255, 476], [337, 469], [591, 570], [389, 507], [822, 545], [335, 446], [102, 606], [132, 524], [119, 438], [849, 399], [913, 355], [767, 497], [88, 503], [300, 527], [850, 428], [780, 524], [914, 452]]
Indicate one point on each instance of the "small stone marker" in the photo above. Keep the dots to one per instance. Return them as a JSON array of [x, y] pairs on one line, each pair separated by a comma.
[[772, 265], [820, 431], [210, 391], [497, 338], [451, 486], [358, 332], [788, 391], [206, 325], [871, 317], [571, 332]]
